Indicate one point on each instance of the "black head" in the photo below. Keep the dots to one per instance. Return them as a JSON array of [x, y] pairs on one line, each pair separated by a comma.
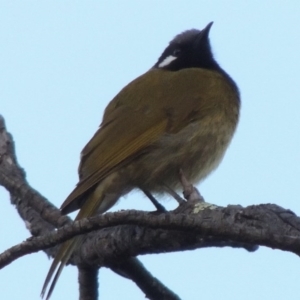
[[190, 49]]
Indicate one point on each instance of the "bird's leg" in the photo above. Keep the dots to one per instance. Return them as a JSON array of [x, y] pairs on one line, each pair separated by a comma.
[[158, 206], [173, 194], [190, 193]]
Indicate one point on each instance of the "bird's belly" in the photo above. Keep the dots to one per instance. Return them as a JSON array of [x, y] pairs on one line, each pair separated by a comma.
[[197, 150]]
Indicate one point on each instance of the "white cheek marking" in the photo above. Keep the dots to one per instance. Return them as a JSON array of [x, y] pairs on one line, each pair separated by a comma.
[[167, 61]]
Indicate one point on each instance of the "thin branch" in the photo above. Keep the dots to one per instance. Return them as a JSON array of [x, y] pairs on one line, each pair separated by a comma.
[[151, 286], [23, 196], [88, 283]]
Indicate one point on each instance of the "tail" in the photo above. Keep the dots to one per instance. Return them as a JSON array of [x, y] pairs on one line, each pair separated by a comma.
[[89, 208], [101, 199]]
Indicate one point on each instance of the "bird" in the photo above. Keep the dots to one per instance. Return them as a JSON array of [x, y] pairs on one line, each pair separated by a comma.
[[179, 115]]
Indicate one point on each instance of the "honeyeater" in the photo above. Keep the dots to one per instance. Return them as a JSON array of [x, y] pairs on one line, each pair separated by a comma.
[[179, 115]]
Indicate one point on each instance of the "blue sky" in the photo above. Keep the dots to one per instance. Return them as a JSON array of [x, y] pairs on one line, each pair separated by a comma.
[[63, 61]]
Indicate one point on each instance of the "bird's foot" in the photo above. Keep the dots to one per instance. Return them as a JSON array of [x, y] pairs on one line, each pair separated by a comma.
[[190, 193]]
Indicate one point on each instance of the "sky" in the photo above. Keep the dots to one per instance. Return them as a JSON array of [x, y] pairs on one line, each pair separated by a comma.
[[63, 61]]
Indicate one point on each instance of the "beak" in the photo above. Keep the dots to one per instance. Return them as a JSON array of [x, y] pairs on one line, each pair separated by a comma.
[[205, 32]]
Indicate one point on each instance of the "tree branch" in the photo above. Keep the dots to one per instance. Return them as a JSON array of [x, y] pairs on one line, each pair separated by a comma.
[[88, 283], [267, 225], [23, 196], [150, 285]]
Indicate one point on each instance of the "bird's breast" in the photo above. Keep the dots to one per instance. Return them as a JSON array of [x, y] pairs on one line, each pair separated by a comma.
[[197, 149]]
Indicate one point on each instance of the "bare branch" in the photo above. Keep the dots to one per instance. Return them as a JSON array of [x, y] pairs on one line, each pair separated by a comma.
[[267, 225], [151, 286], [88, 283], [23, 196]]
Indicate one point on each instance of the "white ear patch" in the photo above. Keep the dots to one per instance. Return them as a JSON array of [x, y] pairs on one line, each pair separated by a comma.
[[167, 61]]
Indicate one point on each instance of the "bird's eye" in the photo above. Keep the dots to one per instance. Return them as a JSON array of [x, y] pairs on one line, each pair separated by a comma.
[[176, 52]]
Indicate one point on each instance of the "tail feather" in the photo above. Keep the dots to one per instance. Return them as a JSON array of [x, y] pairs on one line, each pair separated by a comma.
[[58, 264], [89, 208]]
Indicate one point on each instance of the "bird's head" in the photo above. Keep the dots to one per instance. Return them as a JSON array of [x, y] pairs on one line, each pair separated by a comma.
[[189, 49]]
